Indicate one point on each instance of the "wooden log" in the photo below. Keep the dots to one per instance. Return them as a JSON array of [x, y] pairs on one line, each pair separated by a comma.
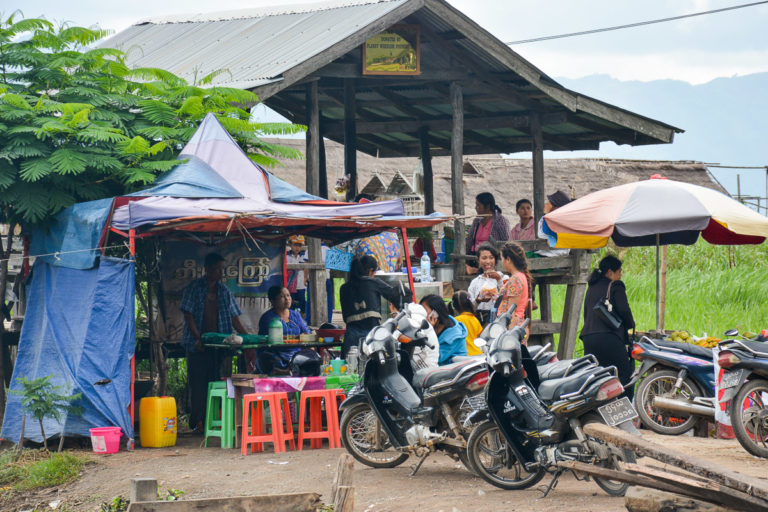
[[642, 499], [299, 502], [343, 475], [545, 308], [345, 499], [736, 500], [537, 150], [645, 448]]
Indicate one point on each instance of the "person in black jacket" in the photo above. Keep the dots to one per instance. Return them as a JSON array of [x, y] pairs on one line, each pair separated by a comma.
[[608, 344], [361, 300]]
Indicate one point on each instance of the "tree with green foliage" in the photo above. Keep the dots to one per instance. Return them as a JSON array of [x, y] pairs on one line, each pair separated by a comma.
[[42, 399], [77, 124]]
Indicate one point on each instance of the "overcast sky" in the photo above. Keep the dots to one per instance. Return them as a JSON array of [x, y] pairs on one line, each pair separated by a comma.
[[695, 50]]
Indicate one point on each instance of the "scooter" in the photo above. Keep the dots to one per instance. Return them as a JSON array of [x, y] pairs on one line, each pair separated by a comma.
[[745, 382], [675, 385], [396, 410], [531, 431]]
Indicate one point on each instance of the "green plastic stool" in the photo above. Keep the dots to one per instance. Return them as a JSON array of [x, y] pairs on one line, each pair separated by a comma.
[[220, 415]]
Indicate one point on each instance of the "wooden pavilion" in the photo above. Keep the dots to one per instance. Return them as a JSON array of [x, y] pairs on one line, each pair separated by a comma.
[[395, 78]]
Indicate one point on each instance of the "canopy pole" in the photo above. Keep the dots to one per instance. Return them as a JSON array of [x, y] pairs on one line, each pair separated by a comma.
[[426, 166], [350, 137], [407, 254], [658, 286], [132, 249], [318, 302], [457, 171]]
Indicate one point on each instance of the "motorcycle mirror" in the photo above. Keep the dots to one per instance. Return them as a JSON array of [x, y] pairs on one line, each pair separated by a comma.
[[731, 333], [480, 342]]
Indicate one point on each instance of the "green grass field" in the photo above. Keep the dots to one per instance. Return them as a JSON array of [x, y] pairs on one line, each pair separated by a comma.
[[709, 288]]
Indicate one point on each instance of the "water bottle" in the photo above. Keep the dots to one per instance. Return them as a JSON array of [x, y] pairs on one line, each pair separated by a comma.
[[425, 273], [352, 360], [275, 331]]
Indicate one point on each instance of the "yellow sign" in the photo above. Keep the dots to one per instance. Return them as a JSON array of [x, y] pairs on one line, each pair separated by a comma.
[[394, 52]]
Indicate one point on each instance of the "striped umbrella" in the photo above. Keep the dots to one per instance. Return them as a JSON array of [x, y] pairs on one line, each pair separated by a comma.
[[654, 212]]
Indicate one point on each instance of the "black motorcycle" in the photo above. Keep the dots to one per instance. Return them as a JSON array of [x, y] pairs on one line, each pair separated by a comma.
[[398, 409], [745, 382], [533, 424]]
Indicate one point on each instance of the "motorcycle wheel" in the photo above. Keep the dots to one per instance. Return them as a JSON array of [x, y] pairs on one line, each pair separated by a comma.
[[749, 417], [611, 487], [366, 441], [661, 383], [494, 462]]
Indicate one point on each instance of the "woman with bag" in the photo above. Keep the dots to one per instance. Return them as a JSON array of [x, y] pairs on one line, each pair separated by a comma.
[[607, 318]]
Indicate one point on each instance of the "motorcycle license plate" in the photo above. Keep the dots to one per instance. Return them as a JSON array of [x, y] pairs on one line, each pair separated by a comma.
[[730, 379], [618, 411]]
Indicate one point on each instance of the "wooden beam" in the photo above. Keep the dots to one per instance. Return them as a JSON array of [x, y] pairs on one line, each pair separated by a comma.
[[457, 175], [537, 149], [354, 70], [426, 166], [313, 139], [322, 170], [574, 298], [350, 138], [618, 136]]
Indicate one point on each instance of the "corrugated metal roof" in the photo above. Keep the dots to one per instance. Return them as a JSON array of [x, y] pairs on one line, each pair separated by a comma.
[[255, 46]]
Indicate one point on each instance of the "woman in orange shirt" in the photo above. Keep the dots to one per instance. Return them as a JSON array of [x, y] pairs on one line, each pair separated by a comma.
[[517, 289]]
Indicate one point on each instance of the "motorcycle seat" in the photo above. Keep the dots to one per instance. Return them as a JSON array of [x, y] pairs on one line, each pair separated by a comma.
[[554, 388], [687, 348], [559, 368], [428, 377], [758, 346]]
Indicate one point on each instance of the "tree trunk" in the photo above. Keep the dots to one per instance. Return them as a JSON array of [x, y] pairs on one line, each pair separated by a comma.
[[61, 442], [42, 430]]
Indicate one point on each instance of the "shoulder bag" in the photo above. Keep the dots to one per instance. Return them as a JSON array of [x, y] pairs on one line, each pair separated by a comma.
[[604, 310]]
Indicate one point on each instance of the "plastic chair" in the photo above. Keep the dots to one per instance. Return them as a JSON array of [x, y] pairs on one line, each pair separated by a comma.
[[254, 418], [220, 416], [316, 433]]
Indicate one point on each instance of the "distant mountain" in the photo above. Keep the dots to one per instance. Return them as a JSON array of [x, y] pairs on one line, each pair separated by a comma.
[[725, 122]]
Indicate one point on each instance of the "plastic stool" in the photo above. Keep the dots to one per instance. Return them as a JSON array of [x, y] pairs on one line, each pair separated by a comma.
[[220, 416], [253, 422], [316, 433], [217, 384]]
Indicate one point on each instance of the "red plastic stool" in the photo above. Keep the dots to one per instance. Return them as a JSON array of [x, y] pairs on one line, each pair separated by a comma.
[[337, 396], [316, 433], [253, 422]]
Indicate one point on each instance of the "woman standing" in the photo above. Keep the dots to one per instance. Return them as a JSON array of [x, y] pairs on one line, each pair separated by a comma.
[[607, 343], [526, 228], [489, 225], [361, 300], [451, 334], [485, 287], [517, 289]]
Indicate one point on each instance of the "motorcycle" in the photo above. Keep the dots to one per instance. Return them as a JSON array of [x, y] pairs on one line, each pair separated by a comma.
[[676, 385], [745, 382], [531, 430], [397, 410]]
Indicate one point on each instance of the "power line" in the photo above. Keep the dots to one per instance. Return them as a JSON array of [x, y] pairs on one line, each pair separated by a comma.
[[638, 24]]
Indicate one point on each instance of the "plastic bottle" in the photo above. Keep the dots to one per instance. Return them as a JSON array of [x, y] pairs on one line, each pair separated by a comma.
[[425, 271], [352, 360], [275, 331]]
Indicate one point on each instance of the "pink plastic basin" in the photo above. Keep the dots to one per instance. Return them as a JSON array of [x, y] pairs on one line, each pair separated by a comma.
[[105, 439]]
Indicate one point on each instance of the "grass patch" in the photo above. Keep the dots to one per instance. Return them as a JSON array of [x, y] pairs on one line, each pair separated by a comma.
[[709, 288], [36, 469]]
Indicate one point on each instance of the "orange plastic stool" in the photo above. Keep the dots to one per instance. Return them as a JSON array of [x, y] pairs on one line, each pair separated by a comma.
[[316, 433], [337, 396], [253, 422]]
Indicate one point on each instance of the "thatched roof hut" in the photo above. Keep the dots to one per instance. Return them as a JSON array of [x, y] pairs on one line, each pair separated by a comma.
[[509, 179]]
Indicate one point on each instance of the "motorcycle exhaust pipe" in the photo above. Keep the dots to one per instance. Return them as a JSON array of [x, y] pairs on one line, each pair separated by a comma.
[[671, 404]]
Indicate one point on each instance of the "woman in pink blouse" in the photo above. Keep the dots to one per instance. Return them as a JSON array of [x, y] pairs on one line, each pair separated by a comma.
[[526, 228], [517, 289]]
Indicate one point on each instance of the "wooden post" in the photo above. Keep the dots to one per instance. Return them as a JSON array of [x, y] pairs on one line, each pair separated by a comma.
[[426, 165], [663, 288], [343, 475], [350, 137], [574, 298], [537, 153], [322, 171], [143, 489], [317, 297], [457, 185]]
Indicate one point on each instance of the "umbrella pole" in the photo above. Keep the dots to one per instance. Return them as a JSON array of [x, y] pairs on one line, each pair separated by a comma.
[[658, 286]]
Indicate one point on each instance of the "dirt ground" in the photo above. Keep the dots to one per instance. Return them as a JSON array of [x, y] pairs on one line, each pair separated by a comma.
[[440, 485]]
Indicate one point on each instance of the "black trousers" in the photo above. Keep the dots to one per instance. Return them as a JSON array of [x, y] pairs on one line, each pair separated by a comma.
[[611, 350], [202, 368]]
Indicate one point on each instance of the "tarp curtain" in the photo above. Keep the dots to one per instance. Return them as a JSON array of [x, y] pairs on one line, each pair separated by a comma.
[[79, 327]]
